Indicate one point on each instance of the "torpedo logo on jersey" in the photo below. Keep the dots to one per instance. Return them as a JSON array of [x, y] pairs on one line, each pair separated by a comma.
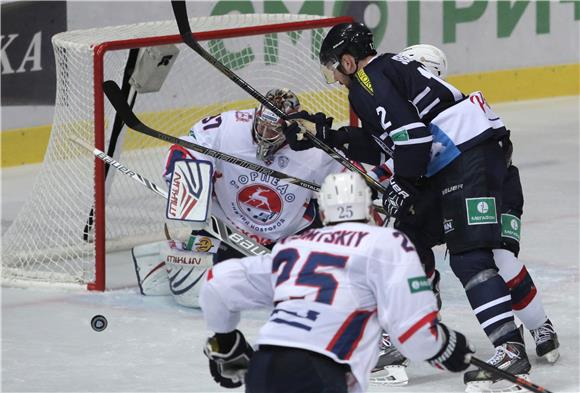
[[260, 203]]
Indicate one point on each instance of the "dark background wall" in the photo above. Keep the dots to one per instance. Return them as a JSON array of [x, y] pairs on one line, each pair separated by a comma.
[[27, 62]]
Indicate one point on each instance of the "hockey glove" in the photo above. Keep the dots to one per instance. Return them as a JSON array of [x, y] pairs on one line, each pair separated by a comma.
[[229, 356], [455, 354], [398, 196], [295, 131]]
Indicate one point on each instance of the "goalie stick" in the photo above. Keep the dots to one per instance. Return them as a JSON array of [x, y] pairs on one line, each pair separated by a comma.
[[532, 387], [215, 227], [180, 11]]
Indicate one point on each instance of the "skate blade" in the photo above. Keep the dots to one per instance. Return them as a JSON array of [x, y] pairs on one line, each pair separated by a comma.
[[552, 356], [390, 375], [501, 386]]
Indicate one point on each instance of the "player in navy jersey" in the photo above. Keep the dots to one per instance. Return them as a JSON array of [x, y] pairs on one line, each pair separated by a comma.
[[526, 300], [436, 132], [333, 290]]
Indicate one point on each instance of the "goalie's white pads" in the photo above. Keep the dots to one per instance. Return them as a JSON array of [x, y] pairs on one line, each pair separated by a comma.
[[153, 273], [150, 269], [186, 269]]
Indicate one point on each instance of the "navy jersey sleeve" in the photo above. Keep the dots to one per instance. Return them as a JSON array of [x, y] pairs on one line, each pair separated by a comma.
[[397, 97]]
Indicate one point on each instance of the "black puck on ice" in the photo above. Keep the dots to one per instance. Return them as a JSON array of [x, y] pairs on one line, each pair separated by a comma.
[[99, 323]]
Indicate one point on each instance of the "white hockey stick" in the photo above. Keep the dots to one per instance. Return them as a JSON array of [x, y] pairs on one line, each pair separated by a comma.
[[215, 227]]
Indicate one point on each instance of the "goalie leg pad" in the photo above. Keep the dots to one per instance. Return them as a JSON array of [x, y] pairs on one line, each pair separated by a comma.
[[186, 270], [150, 269]]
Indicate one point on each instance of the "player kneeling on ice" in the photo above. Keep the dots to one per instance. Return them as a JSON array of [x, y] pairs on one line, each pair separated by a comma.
[[333, 289], [262, 207]]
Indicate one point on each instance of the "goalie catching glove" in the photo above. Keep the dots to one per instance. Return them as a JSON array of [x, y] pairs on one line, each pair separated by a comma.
[[295, 130], [455, 353], [229, 356]]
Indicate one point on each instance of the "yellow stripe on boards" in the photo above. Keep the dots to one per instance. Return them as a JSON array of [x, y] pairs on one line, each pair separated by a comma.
[[522, 84], [22, 146], [28, 145]]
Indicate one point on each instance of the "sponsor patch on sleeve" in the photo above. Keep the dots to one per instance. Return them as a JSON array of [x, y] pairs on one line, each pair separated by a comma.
[[418, 284], [510, 226]]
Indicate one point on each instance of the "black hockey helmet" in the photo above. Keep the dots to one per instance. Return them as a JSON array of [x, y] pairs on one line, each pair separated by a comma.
[[353, 38]]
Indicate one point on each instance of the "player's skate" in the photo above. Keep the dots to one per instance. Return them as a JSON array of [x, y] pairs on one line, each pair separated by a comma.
[[510, 357], [390, 368], [546, 342]]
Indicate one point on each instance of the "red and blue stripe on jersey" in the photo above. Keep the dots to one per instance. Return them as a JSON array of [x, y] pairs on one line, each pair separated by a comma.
[[346, 339]]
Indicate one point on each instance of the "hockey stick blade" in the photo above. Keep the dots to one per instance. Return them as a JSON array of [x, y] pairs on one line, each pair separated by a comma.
[[224, 232], [508, 376], [180, 12], [113, 93]]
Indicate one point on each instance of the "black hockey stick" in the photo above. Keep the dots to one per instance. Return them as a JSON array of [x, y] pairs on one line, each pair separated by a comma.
[[114, 95], [180, 11], [216, 227], [508, 376], [117, 127]]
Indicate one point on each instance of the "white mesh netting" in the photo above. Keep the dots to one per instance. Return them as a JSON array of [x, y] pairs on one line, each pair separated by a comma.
[[46, 241]]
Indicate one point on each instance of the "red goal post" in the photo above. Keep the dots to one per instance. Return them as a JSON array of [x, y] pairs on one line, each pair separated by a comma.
[[267, 51]]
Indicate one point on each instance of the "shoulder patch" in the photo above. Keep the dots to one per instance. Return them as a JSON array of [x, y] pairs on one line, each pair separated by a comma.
[[365, 81], [418, 284]]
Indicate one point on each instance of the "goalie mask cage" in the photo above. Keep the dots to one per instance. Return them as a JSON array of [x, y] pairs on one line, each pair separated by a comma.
[[47, 242]]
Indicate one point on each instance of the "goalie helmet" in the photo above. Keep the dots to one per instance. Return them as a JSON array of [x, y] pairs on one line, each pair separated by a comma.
[[267, 128], [430, 56], [353, 38], [344, 197]]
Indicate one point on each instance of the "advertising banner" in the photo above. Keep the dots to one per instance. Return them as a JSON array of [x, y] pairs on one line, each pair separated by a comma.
[[27, 61]]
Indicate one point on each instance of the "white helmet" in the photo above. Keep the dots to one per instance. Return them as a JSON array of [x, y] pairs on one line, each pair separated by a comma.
[[267, 129], [344, 197], [430, 56]]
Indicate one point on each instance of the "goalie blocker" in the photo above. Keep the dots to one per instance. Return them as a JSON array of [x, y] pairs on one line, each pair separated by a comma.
[[175, 268]]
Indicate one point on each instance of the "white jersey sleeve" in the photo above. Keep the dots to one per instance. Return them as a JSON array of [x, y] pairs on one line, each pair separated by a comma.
[[235, 285], [206, 133], [407, 307]]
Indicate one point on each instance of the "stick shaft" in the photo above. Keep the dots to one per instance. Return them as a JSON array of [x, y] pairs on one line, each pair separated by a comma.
[[508, 376], [216, 227]]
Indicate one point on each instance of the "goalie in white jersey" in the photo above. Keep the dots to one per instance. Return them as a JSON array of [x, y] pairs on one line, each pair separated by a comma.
[[333, 290], [262, 207]]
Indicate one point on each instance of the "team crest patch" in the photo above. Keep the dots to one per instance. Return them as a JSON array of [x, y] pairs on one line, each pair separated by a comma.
[[283, 161], [260, 203], [418, 284], [510, 226], [481, 211]]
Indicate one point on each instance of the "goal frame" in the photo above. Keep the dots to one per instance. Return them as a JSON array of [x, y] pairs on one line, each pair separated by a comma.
[[99, 52]]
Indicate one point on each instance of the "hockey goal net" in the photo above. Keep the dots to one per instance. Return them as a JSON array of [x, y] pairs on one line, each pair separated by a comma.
[[74, 216]]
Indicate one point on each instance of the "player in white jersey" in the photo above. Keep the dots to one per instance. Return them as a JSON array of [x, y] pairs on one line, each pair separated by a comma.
[[333, 289], [262, 207]]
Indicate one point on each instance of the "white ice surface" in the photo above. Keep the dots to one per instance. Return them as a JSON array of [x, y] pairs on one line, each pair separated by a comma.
[[152, 344]]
